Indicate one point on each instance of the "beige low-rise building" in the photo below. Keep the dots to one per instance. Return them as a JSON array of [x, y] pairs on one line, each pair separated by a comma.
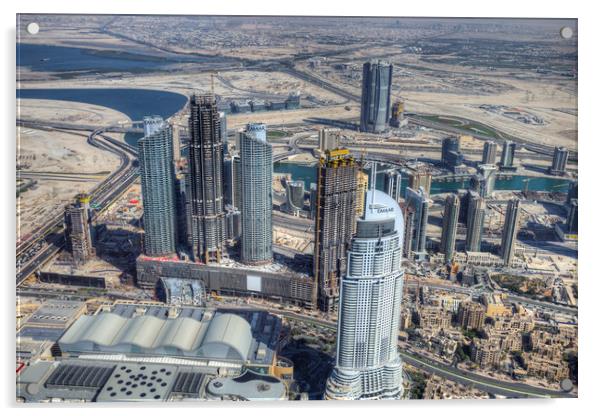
[[485, 353], [494, 304], [509, 341], [514, 323], [471, 315], [543, 367], [434, 318]]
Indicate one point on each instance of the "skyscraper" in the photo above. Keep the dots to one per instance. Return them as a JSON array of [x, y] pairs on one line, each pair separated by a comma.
[[393, 184], [157, 177], [182, 210], [507, 159], [328, 139], [475, 220], [409, 215], [256, 168], [572, 224], [510, 230], [417, 207], [223, 125], [376, 96], [573, 192], [228, 180], [78, 238], [421, 178], [484, 182], [336, 196], [206, 189], [451, 156], [561, 157], [295, 196], [464, 196], [232, 221], [313, 200], [368, 365], [450, 226], [489, 153]]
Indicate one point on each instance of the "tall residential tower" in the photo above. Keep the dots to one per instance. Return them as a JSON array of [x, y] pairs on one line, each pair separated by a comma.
[[489, 153], [416, 211], [450, 226], [561, 157], [256, 168], [507, 159], [157, 177], [510, 230], [475, 220]]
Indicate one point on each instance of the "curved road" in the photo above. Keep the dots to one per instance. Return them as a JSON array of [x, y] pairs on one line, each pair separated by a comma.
[[487, 384], [51, 233]]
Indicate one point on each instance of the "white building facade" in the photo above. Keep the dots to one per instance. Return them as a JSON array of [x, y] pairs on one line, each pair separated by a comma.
[[368, 365]]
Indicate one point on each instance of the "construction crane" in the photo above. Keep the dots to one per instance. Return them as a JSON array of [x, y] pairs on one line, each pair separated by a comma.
[[213, 75]]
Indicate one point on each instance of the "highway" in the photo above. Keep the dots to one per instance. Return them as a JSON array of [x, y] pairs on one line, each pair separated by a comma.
[[534, 147], [487, 384], [50, 234], [417, 119], [293, 223]]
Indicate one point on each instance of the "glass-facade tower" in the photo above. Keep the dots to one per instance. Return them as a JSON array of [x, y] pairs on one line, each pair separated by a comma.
[[157, 177], [376, 96], [256, 169]]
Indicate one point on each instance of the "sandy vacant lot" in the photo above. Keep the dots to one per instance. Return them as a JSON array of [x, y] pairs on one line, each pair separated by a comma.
[[52, 152]]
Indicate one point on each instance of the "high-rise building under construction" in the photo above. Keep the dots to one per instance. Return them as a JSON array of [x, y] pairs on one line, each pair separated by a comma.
[[336, 196], [206, 189], [77, 229], [396, 114]]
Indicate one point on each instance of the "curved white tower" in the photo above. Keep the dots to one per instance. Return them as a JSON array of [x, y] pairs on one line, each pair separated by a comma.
[[368, 365], [256, 167]]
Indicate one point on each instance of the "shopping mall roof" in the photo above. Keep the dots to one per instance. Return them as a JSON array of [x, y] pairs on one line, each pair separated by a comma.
[[245, 336]]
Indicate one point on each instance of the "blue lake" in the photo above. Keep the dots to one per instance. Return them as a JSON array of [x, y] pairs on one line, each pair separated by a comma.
[[133, 102], [72, 59], [308, 174]]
